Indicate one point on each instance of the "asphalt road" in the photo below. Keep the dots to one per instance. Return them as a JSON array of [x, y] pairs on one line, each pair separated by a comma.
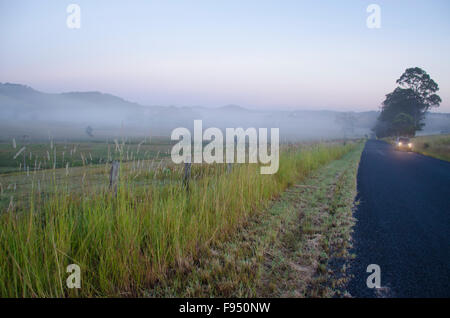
[[403, 224]]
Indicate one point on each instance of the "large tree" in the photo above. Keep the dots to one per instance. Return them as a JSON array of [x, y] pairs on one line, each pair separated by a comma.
[[403, 111]]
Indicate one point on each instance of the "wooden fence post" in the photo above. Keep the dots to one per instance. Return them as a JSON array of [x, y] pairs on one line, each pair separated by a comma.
[[229, 167], [187, 174], [114, 176]]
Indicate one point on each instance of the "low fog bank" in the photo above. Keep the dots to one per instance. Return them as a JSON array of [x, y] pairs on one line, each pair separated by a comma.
[[27, 112]]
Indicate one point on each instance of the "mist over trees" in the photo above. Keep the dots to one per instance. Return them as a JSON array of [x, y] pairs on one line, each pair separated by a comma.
[[68, 116], [347, 121], [403, 111]]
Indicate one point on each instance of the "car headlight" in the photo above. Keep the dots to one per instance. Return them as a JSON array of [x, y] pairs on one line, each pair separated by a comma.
[[399, 143], [410, 145]]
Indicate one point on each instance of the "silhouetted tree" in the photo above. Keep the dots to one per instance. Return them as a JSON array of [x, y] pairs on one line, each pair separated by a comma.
[[403, 111], [403, 125], [89, 131]]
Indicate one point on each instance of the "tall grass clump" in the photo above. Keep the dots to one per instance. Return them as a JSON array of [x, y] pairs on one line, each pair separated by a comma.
[[125, 243]]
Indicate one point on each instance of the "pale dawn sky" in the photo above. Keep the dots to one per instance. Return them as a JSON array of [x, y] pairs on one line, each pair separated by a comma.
[[254, 53]]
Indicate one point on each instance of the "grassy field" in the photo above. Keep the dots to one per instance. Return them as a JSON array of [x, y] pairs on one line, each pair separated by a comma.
[[76, 165], [129, 243], [58, 154], [437, 146]]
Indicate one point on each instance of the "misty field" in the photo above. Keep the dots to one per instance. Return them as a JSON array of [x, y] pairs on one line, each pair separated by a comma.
[[57, 154], [126, 243], [437, 146]]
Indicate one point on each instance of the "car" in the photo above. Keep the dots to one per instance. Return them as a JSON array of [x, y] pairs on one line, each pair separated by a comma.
[[403, 143]]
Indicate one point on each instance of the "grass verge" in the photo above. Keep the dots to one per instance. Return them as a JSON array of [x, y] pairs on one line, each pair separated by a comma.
[[295, 248]]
